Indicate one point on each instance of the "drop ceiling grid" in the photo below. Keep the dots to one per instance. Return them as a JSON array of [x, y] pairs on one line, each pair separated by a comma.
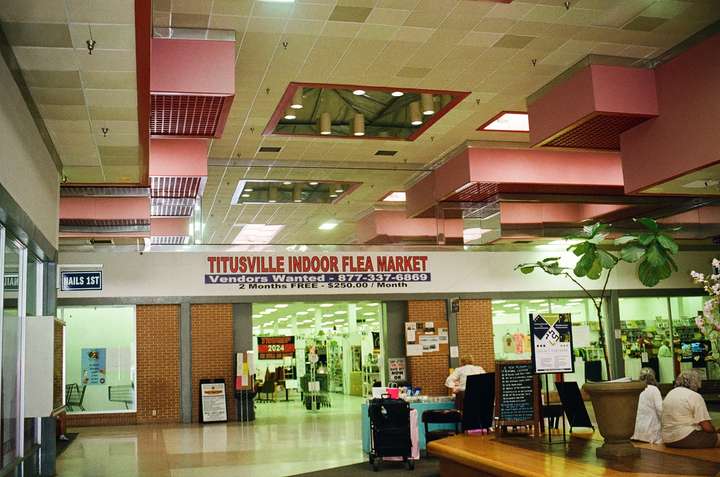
[[79, 94]]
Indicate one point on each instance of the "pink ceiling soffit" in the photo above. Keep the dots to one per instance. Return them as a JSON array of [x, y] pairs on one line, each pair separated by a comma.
[[476, 175], [593, 107], [701, 215], [178, 167], [192, 86], [384, 226], [519, 213], [685, 137], [104, 216], [169, 226]]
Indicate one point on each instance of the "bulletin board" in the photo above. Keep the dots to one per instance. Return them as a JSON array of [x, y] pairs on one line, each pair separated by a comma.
[[428, 337]]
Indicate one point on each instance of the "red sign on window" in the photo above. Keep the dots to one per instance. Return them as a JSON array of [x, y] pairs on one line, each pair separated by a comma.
[[276, 347]]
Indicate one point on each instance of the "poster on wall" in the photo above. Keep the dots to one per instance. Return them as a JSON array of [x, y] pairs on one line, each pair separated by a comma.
[[430, 343], [276, 347], [93, 363], [410, 331], [212, 400], [552, 346], [396, 367]]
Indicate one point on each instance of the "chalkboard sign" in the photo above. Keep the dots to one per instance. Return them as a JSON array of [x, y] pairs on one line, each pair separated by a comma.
[[516, 394]]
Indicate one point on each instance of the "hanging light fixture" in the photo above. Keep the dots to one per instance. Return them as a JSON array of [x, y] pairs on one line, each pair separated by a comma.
[[297, 193], [290, 113], [427, 104], [325, 124], [359, 92], [359, 124], [272, 194], [415, 116], [297, 99], [397, 94]]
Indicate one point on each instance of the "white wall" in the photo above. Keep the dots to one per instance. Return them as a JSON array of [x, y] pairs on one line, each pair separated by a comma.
[[27, 171], [181, 274]]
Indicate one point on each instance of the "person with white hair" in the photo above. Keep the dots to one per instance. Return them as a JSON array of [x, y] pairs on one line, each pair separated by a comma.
[[650, 405], [457, 379], [686, 422]]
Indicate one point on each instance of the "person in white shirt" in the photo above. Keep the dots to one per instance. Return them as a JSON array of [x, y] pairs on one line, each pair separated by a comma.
[[686, 422], [647, 421], [457, 379]]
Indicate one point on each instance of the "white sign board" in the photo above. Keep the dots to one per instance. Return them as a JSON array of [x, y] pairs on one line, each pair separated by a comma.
[[212, 401], [552, 347], [396, 367]]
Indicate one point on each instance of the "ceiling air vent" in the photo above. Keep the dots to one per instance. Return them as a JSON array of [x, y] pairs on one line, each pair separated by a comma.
[[171, 207], [163, 186], [93, 191], [385, 153], [270, 149], [185, 115]]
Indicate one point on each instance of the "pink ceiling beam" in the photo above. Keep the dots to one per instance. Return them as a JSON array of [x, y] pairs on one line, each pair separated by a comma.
[[105, 208], [517, 213], [179, 157], [531, 169], [169, 226], [597, 90], [382, 226], [684, 138]]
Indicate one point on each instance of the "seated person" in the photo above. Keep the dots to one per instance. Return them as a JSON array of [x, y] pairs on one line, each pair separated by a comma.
[[457, 379], [685, 419], [647, 421]]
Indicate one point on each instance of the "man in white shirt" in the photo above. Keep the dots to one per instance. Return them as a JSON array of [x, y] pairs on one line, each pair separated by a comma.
[[457, 379], [686, 422]]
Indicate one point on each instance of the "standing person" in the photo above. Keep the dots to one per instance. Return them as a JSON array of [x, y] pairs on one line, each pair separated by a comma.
[[649, 413], [664, 351], [686, 422], [457, 379]]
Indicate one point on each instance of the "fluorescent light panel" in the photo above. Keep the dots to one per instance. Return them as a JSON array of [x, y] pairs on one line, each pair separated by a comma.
[[397, 196], [510, 122], [329, 225], [257, 234]]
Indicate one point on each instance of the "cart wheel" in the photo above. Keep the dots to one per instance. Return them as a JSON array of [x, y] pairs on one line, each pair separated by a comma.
[[375, 462], [411, 464]]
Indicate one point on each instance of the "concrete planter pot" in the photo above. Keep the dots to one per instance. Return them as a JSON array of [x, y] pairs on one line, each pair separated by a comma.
[[615, 406]]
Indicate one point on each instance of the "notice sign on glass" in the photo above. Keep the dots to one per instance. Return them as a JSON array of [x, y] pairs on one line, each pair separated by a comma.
[[552, 348], [93, 365], [276, 347]]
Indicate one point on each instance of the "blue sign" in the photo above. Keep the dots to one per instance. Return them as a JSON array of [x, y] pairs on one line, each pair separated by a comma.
[[73, 281], [93, 366]]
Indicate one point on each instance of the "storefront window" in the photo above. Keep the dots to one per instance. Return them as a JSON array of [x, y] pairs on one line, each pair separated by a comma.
[[511, 327], [346, 336], [10, 350], [99, 358]]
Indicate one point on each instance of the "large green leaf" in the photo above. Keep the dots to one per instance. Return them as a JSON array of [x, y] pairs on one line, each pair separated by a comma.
[[583, 266], [553, 269], [607, 260], [668, 244], [646, 238], [550, 259], [597, 238], [579, 248], [625, 239], [649, 224], [527, 270], [595, 270], [632, 253], [648, 274], [655, 256]]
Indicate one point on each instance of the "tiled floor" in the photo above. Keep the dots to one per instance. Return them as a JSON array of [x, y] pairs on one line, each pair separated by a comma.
[[284, 440]]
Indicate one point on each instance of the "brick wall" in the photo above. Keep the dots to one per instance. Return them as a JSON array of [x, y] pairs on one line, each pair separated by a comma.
[[101, 419], [157, 330], [475, 332], [212, 350], [58, 351], [429, 371]]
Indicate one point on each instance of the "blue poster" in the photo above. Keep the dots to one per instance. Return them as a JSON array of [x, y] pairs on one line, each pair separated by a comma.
[[93, 366]]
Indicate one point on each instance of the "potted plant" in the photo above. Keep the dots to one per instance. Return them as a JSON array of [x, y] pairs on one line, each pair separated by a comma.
[[614, 403], [709, 321]]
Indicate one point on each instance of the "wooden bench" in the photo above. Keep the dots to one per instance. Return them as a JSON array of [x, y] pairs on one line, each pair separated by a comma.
[[523, 456]]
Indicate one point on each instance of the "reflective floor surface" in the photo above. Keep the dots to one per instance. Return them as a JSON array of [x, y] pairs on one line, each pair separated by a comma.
[[285, 439]]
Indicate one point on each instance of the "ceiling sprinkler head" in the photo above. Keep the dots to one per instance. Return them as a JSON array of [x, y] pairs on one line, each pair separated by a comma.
[[90, 46], [105, 131]]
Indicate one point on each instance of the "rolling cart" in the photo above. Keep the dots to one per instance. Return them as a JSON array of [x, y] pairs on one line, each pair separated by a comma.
[[390, 431]]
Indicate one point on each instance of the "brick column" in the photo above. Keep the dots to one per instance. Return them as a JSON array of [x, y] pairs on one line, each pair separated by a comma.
[[475, 332], [429, 371], [158, 363], [212, 351]]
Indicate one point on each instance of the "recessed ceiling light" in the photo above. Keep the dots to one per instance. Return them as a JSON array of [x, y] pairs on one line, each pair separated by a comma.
[[341, 312], [329, 225], [369, 314], [245, 195], [359, 92], [373, 304], [312, 309], [248, 189], [302, 313], [313, 183], [328, 315], [508, 122], [397, 94], [290, 114], [333, 195], [325, 305], [339, 190], [297, 201], [397, 196], [287, 182], [281, 305]]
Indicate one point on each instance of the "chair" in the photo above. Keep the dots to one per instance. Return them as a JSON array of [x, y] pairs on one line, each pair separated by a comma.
[[268, 389], [74, 396], [441, 416], [121, 393]]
